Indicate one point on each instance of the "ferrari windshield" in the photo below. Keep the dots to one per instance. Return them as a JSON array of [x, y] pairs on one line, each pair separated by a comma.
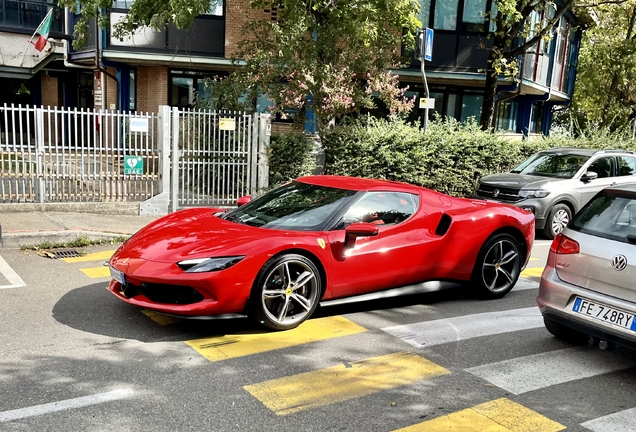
[[294, 206], [552, 165]]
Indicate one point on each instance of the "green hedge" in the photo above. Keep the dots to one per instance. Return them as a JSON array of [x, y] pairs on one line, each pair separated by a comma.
[[450, 157], [290, 156]]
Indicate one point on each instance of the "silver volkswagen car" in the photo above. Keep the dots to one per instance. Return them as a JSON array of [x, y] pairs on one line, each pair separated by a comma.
[[555, 184], [588, 285]]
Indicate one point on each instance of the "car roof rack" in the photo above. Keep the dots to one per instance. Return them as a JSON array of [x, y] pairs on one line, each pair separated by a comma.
[[615, 151]]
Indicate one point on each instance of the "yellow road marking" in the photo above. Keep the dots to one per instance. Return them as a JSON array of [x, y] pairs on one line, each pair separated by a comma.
[[160, 319], [104, 255], [96, 272], [340, 383], [502, 415], [534, 259], [238, 345], [532, 272]]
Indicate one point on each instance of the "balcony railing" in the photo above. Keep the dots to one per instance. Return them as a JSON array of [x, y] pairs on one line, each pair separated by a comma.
[[27, 15]]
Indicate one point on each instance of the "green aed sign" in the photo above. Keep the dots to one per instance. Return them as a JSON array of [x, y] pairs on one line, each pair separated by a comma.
[[133, 165]]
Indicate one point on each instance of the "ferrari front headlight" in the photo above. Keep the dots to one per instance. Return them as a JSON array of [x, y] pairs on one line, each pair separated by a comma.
[[201, 265]]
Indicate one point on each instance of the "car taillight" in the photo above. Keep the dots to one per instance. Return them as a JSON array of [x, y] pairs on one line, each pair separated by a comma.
[[564, 245]]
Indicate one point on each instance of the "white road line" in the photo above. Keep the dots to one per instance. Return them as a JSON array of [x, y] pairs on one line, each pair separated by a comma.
[[429, 333], [11, 276], [64, 405], [524, 374], [617, 422]]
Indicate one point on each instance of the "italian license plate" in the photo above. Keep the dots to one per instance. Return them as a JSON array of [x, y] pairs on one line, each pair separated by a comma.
[[604, 313], [117, 275]]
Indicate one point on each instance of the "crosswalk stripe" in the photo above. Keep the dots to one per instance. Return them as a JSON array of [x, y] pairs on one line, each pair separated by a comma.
[[104, 255], [616, 422], [237, 345], [161, 319], [524, 374], [343, 382], [501, 415], [430, 333], [532, 272], [96, 272]]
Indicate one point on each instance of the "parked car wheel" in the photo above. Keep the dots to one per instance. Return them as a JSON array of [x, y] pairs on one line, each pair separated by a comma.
[[558, 218], [564, 333], [498, 266], [286, 292]]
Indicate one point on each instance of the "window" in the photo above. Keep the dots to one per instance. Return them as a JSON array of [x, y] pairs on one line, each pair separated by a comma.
[[507, 116], [492, 26], [132, 101], [626, 166], [182, 91], [471, 106], [604, 167], [425, 12], [474, 15], [445, 15], [216, 8], [381, 208]]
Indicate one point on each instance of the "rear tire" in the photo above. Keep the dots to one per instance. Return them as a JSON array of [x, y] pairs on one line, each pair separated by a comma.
[[558, 217], [498, 266], [563, 332]]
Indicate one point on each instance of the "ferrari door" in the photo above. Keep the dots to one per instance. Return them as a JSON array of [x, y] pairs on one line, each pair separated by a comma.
[[395, 257]]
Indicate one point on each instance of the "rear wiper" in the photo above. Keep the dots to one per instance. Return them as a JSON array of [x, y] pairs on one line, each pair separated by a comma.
[[631, 239]]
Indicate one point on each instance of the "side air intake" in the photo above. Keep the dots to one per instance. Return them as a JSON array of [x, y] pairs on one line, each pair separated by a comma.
[[443, 225]]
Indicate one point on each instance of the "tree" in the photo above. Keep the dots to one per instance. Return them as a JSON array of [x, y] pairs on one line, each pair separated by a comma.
[[607, 61], [328, 56], [528, 21]]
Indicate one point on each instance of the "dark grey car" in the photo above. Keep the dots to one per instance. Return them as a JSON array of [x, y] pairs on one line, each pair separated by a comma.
[[555, 184]]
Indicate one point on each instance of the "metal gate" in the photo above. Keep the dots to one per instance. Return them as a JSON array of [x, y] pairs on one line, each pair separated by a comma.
[[218, 156]]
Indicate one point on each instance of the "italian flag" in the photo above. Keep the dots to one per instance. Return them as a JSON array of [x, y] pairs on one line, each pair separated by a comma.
[[43, 31]]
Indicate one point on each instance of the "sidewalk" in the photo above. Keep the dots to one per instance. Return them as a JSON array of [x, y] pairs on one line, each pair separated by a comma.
[[32, 228]]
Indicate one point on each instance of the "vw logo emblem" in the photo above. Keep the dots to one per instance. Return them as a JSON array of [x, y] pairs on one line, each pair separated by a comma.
[[619, 262], [495, 193]]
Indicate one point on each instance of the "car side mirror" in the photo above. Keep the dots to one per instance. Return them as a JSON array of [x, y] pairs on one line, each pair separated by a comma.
[[589, 176], [359, 229], [243, 200]]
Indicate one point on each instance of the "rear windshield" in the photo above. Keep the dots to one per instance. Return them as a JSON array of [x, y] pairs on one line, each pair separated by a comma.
[[608, 216], [552, 165]]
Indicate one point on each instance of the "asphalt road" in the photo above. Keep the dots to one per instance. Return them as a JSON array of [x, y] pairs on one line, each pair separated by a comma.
[[75, 358]]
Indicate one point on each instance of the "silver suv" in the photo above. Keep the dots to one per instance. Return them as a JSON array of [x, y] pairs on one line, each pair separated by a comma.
[[555, 184]]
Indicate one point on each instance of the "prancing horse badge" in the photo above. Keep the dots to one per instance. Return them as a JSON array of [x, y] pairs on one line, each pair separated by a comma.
[[321, 242]]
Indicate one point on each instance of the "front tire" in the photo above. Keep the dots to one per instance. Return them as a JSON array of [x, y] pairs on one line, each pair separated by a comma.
[[558, 217], [498, 266], [286, 292]]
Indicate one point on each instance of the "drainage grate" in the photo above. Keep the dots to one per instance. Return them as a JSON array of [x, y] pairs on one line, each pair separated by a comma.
[[60, 254]]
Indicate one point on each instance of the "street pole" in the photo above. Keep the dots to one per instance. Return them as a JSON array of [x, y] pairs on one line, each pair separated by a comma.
[[426, 92]]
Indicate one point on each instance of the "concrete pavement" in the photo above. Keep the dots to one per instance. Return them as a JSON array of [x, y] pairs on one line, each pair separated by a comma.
[[21, 228]]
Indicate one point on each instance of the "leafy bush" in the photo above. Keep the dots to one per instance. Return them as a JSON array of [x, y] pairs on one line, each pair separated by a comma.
[[290, 156]]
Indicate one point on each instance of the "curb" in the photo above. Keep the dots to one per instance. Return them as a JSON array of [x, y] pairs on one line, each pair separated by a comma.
[[18, 240]]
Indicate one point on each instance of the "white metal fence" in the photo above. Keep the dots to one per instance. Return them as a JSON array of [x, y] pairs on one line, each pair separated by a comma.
[[69, 155]]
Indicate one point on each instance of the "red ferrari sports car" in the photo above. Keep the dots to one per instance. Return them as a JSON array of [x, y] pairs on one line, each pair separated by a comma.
[[316, 239]]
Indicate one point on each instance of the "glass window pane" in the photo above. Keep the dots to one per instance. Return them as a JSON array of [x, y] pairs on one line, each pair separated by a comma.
[[492, 26], [382, 208], [474, 11], [216, 8], [132, 103], [445, 15], [626, 166], [425, 12], [451, 108], [471, 107], [182, 91]]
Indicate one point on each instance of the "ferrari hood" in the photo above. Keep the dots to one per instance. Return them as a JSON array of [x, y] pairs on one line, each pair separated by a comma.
[[188, 234]]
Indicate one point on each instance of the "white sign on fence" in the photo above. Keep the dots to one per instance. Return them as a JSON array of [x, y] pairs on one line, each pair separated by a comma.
[[227, 124], [139, 124]]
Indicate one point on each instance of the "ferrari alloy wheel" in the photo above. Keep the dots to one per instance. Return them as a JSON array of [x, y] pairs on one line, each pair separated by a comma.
[[286, 292], [498, 266]]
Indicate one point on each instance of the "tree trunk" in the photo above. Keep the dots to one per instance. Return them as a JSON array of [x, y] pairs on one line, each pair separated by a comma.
[[490, 94]]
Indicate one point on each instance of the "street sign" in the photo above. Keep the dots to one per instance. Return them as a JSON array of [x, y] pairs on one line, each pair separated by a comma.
[[428, 44], [428, 103], [133, 165]]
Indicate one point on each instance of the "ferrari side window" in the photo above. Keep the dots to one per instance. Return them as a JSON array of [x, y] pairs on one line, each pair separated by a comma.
[[381, 208]]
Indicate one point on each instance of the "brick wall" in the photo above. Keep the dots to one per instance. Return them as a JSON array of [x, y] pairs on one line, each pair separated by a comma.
[[152, 88], [110, 92], [239, 13], [49, 91]]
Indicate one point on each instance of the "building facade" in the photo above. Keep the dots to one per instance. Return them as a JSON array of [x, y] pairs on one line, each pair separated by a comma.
[[171, 67]]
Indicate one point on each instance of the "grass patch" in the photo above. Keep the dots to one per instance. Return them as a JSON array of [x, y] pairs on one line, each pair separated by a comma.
[[79, 242]]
